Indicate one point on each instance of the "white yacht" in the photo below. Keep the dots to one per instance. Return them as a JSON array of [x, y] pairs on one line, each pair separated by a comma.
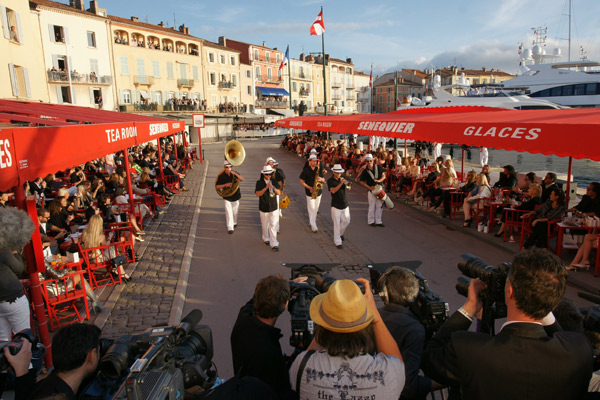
[[486, 96], [571, 83]]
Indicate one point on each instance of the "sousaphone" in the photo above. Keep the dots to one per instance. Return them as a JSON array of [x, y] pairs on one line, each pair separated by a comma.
[[235, 155]]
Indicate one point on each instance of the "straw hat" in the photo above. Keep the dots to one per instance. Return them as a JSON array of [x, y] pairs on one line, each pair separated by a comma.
[[369, 156], [267, 169], [226, 163], [312, 157], [269, 159], [338, 168], [343, 308]]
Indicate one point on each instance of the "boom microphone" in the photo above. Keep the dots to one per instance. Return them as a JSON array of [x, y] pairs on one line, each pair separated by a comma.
[[594, 298], [188, 323]]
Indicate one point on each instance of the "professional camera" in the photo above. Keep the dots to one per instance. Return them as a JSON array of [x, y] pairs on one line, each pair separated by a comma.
[[429, 307], [157, 364], [494, 305], [301, 295], [14, 346]]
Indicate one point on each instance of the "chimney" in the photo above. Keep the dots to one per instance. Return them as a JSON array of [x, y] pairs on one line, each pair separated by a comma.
[[187, 31], [264, 45], [78, 4], [223, 41], [326, 59], [483, 69], [94, 9], [302, 57], [162, 24], [182, 28], [135, 19], [274, 48], [349, 60]]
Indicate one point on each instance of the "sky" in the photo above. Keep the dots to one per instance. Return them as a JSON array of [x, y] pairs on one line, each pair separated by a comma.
[[388, 34]]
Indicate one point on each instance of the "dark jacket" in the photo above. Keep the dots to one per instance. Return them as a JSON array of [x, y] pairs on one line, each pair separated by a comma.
[[523, 361]]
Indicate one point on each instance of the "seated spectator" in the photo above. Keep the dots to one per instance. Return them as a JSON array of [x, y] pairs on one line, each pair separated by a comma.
[[121, 201], [4, 197], [508, 178], [350, 341], [480, 193], [59, 216], [470, 184], [93, 236], [446, 180], [530, 179], [582, 258], [590, 202], [75, 353], [548, 184], [553, 208], [535, 199], [419, 187]]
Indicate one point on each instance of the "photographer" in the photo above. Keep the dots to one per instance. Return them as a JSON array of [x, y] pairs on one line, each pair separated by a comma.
[[255, 340], [353, 355], [75, 352], [399, 288], [531, 357]]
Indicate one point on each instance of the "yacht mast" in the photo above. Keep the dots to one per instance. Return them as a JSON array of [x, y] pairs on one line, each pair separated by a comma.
[[570, 30]]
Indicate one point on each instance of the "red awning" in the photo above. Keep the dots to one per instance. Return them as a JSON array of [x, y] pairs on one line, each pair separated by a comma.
[[563, 132], [75, 135]]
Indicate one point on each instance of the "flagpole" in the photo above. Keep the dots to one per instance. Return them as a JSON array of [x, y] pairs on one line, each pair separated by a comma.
[[395, 103], [371, 89], [290, 76], [324, 78]]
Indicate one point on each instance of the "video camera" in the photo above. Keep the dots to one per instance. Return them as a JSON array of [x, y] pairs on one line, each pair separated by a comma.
[[429, 307], [319, 281], [157, 364], [494, 305]]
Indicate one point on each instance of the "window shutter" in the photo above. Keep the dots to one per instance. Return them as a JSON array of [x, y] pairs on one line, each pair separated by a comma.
[[92, 99], [13, 80], [59, 97], [66, 33], [74, 99], [55, 61], [19, 31], [26, 78], [51, 33], [5, 27]]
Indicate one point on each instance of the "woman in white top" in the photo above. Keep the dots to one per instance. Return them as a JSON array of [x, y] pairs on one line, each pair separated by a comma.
[[482, 191]]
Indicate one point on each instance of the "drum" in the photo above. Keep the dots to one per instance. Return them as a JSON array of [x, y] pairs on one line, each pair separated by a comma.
[[380, 194], [285, 202]]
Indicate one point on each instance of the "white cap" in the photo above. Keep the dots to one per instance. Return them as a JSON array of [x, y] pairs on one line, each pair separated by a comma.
[[267, 169], [312, 157], [338, 168], [269, 159], [226, 163], [313, 151], [369, 156]]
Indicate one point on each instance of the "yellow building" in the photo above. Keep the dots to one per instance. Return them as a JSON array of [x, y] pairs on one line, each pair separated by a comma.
[[302, 83], [222, 77], [22, 63], [318, 92], [156, 68]]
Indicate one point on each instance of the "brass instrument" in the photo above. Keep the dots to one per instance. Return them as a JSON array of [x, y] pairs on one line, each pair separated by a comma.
[[316, 185], [235, 155]]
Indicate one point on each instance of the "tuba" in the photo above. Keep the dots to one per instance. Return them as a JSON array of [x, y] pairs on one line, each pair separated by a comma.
[[235, 155]]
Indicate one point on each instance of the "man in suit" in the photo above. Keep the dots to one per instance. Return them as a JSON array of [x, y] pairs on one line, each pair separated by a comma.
[[531, 357]]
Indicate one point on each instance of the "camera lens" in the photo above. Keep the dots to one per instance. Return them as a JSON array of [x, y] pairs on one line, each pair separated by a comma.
[[117, 360]]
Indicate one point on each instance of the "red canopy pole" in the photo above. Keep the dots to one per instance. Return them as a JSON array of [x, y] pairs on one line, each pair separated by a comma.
[[175, 147], [200, 145], [569, 173], [462, 165], [160, 162], [35, 262], [405, 149], [129, 188]]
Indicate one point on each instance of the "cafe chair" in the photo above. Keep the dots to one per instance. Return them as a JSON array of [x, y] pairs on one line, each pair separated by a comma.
[[61, 296]]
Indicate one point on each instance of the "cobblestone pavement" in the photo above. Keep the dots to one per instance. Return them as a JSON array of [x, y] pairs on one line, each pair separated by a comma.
[[156, 292]]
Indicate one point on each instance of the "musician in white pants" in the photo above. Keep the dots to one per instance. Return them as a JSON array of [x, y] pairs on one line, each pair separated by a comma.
[[267, 190], [232, 202], [373, 175], [340, 212], [307, 179]]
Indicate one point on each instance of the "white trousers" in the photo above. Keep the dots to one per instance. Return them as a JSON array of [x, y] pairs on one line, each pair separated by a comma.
[[279, 211], [375, 209], [14, 317], [269, 222], [483, 156], [231, 213], [341, 220], [313, 207]]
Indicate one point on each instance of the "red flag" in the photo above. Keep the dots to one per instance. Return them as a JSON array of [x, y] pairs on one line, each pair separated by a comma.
[[371, 80], [318, 27]]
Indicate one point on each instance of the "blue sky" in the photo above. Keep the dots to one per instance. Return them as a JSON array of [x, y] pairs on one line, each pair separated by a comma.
[[389, 34]]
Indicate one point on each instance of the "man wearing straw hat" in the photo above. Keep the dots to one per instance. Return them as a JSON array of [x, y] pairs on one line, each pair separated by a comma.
[[307, 180], [232, 202], [341, 362], [340, 212], [267, 191]]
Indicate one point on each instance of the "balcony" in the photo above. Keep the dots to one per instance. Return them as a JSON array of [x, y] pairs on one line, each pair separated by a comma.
[[226, 85], [185, 83], [350, 85], [143, 80], [304, 93], [77, 78], [336, 96], [336, 83], [272, 103]]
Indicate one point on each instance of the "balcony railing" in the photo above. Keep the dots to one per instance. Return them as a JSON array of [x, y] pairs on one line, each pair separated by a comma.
[[143, 80], [272, 103], [226, 85], [92, 78], [336, 83], [304, 93], [185, 83], [336, 96], [350, 85]]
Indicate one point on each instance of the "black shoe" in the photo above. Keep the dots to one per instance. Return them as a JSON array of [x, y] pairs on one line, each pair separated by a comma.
[[342, 237], [468, 223], [339, 246], [499, 234], [445, 215], [235, 225], [373, 224], [380, 225], [267, 243], [275, 248], [230, 232]]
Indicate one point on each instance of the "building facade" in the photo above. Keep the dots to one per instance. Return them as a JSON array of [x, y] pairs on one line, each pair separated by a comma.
[[22, 62], [385, 89], [300, 79], [363, 92], [222, 77]]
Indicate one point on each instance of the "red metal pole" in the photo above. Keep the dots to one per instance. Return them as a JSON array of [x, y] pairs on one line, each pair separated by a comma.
[[160, 162], [129, 188], [175, 147], [462, 165], [569, 173], [405, 149], [200, 145], [35, 261]]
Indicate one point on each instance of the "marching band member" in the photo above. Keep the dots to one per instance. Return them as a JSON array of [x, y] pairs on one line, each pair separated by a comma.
[[340, 212], [232, 202], [267, 190], [373, 175], [308, 177]]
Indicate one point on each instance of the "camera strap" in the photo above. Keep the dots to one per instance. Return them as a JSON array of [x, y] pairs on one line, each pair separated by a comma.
[[301, 370]]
